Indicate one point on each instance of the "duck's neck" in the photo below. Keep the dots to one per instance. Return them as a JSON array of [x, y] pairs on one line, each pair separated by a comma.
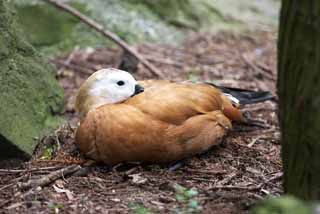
[[91, 103]]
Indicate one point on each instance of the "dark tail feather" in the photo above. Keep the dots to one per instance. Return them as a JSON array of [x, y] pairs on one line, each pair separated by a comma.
[[246, 96]]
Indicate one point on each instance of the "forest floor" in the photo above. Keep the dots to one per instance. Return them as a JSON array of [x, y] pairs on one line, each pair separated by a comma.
[[230, 178]]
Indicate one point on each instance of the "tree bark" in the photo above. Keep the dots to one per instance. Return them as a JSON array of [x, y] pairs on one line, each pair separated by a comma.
[[299, 93]]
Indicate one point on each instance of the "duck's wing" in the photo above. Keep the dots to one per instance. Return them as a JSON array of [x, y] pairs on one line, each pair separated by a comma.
[[176, 102], [151, 83], [119, 133]]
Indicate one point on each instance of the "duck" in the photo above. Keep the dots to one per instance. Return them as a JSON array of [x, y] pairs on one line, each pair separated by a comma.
[[154, 121]]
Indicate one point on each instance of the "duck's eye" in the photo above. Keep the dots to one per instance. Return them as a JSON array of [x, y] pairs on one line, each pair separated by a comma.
[[120, 83]]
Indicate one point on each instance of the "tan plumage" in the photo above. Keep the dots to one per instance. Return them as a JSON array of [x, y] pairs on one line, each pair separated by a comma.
[[176, 102], [168, 121]]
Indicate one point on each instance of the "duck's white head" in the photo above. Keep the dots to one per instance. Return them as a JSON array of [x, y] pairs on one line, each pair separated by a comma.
[[106, 86]]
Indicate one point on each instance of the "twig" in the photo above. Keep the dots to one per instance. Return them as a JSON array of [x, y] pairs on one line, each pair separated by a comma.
[[206, 171], [13, 182], [37, 184], [265, 67], [112, 36], [65, 162], [255, 123], [33, 185], [275, 177], [16, 195], [229, 187], [253, 141], [69, 59], [165, 61], [249, 188], [16, 171], [257, 108], [256, 68], [47, 179], [11, 171], [72, 66]]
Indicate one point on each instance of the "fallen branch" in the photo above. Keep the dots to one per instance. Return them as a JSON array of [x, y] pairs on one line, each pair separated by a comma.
[[106, 33], [47, 179], [35, 185], [17, 171], [12, 171]]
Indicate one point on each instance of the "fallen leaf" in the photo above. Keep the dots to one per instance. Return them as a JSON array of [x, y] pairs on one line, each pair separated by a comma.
[[138, 179], [68, 193]]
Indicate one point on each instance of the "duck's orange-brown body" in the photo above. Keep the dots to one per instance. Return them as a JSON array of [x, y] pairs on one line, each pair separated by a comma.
[[167, 122]]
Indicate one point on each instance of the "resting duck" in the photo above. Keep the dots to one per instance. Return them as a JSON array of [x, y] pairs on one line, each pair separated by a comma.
[[153, 121]]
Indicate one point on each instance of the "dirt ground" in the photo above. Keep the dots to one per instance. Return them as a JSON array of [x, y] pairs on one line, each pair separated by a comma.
[[230, 178]]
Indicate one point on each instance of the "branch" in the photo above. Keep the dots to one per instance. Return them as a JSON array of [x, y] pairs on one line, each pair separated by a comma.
[[106, 33], [33, 184], [47, 179]]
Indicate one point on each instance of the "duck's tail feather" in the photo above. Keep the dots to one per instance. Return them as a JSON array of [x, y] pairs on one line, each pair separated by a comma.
[[245, 96]]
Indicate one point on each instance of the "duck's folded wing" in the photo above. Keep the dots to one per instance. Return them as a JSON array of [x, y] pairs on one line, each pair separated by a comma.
[[116, 133], [152, 83], [176, 102]]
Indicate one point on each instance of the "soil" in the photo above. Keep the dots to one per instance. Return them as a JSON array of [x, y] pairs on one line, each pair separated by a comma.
[[229, 178]]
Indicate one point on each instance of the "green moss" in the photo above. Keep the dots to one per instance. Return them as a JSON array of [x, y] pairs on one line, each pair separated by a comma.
[[132, 22], [49, 27], [30, 96], [186, 13], [47, 30], [283, 205], [156, 21]]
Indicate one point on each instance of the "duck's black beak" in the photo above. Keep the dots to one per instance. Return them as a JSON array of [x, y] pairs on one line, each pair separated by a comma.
[[138, 89]]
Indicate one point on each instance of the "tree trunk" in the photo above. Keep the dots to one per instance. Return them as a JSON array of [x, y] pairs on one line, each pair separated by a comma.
[[299, 93]]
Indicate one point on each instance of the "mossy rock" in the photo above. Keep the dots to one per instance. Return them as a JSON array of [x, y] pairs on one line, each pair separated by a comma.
[[30, 96], [284, 205], [155, 21]]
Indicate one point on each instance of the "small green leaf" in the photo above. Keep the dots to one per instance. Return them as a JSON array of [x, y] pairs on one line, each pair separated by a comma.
[[55, 206], [179, 188], [194, 205], [140, 209], [191, 193], [193, 77], [180, 197], [47, 153]]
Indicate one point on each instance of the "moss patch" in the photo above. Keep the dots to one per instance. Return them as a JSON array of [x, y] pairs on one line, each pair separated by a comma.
[[156, 21], [30, 96], [283, 205]]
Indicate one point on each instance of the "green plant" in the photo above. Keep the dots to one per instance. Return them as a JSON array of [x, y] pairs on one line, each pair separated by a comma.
[[193, 76], [48, 152], [55, 207], [140, 209], [187, 202]]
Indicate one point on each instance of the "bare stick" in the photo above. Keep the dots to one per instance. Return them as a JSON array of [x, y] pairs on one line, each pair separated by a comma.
[[33, 185], [165, 61], [206, 171], [229, 187], [47, 179], [72, 66], [17, 171], [106, 33]]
